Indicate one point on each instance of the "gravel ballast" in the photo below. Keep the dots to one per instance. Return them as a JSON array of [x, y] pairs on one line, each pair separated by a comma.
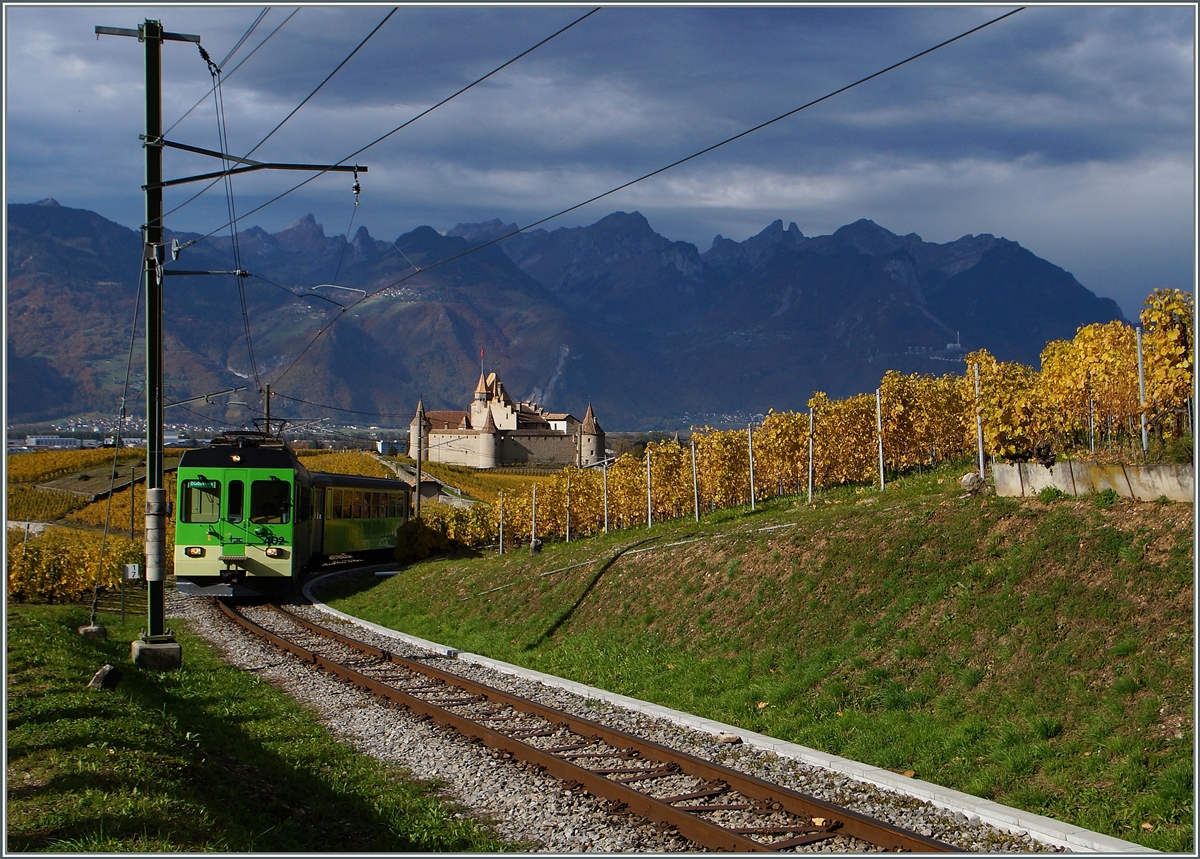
[[538, 810]]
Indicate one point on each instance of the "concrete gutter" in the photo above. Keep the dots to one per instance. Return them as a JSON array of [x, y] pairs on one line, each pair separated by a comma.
[[1143, 482], [1044, 829]]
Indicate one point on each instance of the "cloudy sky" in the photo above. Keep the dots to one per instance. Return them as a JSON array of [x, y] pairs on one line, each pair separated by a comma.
[[1068, 129]]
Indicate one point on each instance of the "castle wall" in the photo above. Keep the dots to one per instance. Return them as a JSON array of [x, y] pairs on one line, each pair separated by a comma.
[[530, 448], [464, 447]]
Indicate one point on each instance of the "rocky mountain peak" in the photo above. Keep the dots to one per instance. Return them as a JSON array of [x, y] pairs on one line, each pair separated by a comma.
[[728, 255], [301, 234], [482, 232]]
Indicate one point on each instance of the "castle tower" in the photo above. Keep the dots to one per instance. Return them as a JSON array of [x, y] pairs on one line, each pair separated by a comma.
[[487, 443], [591, 439]]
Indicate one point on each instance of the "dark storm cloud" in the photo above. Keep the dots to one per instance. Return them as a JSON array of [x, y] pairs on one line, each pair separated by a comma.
[[1069, 129]]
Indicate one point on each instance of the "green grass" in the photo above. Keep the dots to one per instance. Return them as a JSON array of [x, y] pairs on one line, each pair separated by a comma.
[[207, 758], [1009, 648]]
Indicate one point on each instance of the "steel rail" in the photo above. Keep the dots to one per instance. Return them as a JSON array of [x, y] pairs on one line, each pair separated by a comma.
[[660, 760]]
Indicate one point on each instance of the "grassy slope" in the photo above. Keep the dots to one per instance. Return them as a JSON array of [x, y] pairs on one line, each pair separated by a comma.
[[1035, 654], [202, 759]]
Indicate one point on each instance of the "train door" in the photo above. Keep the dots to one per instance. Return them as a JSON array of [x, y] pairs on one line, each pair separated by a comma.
[[318, 523], [233, 532]]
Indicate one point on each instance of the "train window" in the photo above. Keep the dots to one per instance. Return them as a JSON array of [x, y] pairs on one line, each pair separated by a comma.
[[270, 502], [335, 504], [201, 501], [236, 499], [376, 501], [356, 511], [347, 503]]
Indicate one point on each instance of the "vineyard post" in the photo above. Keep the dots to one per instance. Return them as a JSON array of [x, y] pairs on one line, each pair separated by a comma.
[[979, 423], [132, 476], [605, 470], [810, 455], [695, 483], [1091, 425], [533, 522], [1142, 393], [501, 521], [649, 494], [750, 447], [879, 433], [568, 507]]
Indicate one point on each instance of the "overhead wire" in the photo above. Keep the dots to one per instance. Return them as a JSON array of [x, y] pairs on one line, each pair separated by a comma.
[[660, 170], [404, 124], [335, 408], [230, 73], [231, 207], [346, 240], [262, 14], [284, 120], [378, 140], [295, 294]]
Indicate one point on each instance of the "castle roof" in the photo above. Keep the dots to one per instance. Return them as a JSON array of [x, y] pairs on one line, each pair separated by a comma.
[[446, 419], [489, 425], [591, 426], [482, 387]]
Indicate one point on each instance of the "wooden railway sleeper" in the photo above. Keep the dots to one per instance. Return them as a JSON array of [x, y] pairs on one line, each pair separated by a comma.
[[715, 789], [689, 825]]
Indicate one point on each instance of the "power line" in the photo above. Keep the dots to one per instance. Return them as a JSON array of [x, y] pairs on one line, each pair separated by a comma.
[[400, 127], [334, 408], [228, 75], [704, 151], [285, 119], [295, 294], [262, 14], [625, 185], [322, 83]]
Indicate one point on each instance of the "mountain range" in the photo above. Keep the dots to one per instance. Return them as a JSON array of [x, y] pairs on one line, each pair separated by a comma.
[[653, 332]]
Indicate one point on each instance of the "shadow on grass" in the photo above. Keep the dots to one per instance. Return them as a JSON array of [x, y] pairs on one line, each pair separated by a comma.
[[205, 763], [570, 611]]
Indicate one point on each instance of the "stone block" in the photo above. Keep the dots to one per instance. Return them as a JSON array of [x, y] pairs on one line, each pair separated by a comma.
[[157, 656], [106, 678], [94, 631]]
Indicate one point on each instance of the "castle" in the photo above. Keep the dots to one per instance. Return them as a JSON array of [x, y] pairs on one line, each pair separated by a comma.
[[496, 431]]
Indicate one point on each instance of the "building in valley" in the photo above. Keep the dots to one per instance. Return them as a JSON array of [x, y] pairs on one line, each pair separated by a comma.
[[496, 431]]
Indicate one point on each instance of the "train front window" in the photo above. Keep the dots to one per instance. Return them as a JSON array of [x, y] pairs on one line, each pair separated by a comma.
[[270, 502], [237, 492], [201, 501]]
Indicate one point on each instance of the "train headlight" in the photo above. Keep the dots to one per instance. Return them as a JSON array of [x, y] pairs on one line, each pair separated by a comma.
[[273, 552], [194, 551]]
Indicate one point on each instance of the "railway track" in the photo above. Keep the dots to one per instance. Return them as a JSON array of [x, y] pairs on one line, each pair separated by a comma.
[[712, 806]]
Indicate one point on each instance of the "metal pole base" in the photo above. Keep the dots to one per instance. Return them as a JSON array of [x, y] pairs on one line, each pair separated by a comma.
[[157, 652]]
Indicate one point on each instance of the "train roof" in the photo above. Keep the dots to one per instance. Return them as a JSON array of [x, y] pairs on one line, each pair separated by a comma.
[[242, 450], [356, 481]]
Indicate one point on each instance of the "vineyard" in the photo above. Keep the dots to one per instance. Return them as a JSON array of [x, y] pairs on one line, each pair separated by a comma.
[[47, 465], [1085, 401], [31, 504], [343, 462], [61, 564]]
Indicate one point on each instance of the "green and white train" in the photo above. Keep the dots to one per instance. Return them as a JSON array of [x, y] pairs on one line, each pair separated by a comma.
[[250, 517]]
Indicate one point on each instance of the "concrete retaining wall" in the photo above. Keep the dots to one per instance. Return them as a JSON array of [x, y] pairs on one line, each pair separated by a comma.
[[1143, 482]]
